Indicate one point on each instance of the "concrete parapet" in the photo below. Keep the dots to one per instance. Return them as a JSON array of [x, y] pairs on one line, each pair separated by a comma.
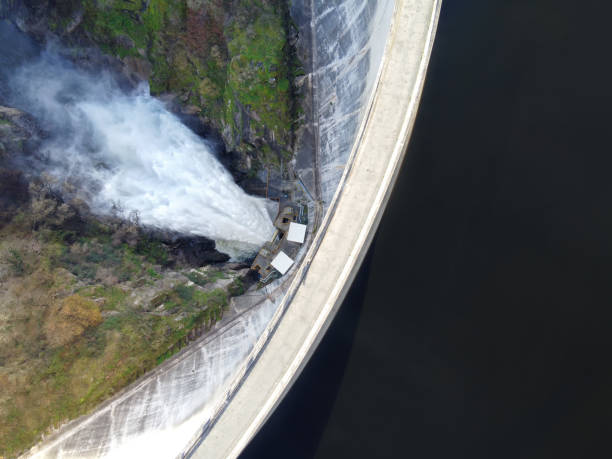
[[321, 282]]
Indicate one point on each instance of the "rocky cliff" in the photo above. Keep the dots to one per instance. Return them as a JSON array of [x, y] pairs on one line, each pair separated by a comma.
[[230, 63]]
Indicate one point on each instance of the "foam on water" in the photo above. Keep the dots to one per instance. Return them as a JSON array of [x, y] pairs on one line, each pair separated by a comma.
[[127, 151]]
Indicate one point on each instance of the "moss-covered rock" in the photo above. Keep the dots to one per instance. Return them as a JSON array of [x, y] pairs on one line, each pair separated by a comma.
[[70, 318], [17, 132], [258, 92], [227, 61]]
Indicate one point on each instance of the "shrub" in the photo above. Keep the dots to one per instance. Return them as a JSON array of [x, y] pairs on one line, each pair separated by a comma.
[[197, 278], [15, 261], [236, 288], [185, 293], [70, 318], [153, 251]]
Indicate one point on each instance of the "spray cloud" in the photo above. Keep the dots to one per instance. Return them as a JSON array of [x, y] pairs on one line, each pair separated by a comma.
[[127, 148]]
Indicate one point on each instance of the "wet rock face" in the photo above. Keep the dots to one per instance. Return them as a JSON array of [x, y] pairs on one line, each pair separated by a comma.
[[13, 193], [179, 250], [229, 63], [18, 133], [195, 251], [18, 136]]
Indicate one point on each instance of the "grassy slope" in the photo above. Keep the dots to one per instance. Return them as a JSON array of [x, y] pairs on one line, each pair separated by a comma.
[[44, 385]]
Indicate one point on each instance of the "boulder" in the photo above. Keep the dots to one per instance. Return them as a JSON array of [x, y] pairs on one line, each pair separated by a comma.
[[195, 251]]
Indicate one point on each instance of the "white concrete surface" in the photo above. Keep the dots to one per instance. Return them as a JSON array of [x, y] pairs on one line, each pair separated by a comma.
[[282, 262], [345, 234], [349, 38], [297, 233]]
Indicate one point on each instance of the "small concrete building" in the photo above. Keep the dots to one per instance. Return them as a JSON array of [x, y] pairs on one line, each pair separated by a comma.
[[277, 256], [282, 262], [297, 233]]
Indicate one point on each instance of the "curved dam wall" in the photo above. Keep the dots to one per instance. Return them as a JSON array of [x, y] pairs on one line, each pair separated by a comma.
[[209, 400], [343, 43], [345, 233], [159, 415]]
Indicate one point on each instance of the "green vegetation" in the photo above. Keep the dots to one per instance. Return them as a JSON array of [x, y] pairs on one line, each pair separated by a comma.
[[15, 261], [125, 27], [210, 276], [153, 250], [153, 274], [83, 321], [229, 60], [259, 77], [236, 288]]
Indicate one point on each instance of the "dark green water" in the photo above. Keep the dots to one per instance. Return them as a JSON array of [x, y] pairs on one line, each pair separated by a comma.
[[481, 324]]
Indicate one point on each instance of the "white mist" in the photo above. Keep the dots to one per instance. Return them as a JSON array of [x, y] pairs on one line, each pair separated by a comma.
[[128, 149]]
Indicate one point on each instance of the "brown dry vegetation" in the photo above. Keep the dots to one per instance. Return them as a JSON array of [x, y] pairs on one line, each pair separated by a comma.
[[69, 318], [83, 314]]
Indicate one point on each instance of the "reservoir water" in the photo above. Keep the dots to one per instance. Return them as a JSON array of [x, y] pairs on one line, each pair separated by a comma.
[[480, 325]]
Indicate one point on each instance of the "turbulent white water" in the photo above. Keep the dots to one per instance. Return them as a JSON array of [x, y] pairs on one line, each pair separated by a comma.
[[128, 151]]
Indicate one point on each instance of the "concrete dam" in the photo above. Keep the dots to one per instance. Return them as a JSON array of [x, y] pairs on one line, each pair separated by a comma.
[[365, 63]]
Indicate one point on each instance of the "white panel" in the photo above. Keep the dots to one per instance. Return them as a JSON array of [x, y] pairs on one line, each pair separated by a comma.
[[282, 262], [297, 232]]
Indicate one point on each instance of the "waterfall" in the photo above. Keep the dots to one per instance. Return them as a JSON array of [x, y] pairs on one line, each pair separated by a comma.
[[125, 150]]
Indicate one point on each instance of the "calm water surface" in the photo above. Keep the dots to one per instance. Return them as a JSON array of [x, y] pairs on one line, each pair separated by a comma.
[[481, 324]]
